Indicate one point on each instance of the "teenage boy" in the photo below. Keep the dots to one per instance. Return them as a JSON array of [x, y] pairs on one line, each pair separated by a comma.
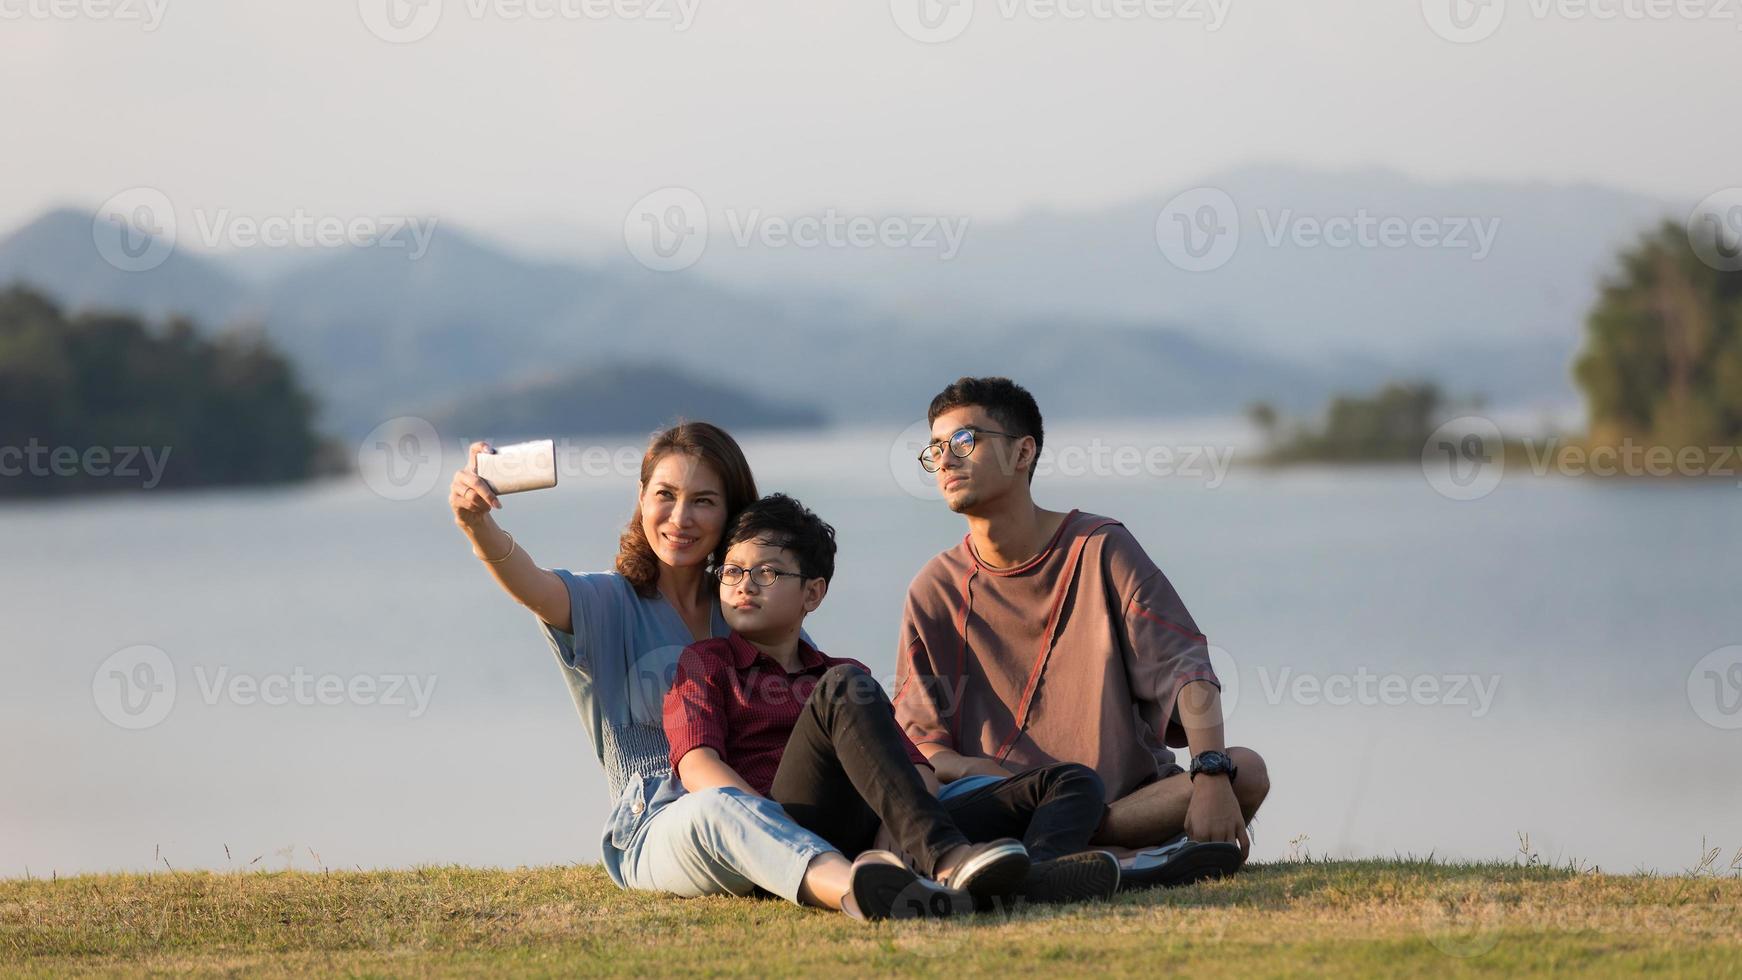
[[762, 712], [1048, 637]]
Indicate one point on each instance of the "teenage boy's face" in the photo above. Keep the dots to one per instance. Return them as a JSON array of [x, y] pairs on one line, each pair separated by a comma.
[[990, 471], [768, 610]]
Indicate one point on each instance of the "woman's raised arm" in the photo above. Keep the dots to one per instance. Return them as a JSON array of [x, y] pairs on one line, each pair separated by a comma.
[[538, 589]]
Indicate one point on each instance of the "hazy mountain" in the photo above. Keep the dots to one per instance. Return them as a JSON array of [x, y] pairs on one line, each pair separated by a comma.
[[1532, 285], [58, 252], [600, 400], [1083, 308]]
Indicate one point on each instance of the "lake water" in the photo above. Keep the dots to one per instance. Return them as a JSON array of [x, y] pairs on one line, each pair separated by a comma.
[[1423, 674]]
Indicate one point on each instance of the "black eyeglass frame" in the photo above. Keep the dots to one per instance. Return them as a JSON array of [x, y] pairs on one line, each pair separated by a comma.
[[937, 448], [774, 575]]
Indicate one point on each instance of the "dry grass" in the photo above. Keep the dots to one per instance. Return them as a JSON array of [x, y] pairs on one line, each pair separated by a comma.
[[1360, 917]]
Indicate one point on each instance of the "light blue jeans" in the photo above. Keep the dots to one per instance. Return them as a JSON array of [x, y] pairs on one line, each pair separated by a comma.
[[715, 842]]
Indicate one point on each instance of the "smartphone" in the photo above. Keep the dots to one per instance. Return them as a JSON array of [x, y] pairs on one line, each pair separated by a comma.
[[522, 466]]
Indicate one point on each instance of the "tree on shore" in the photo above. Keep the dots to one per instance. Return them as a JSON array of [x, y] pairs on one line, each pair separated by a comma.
[[1662, 360], [226, 409]]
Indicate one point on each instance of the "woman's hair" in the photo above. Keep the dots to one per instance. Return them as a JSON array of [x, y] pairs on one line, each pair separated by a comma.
[[709, 444]]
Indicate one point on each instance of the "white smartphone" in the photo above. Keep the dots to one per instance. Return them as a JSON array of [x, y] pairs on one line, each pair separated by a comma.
[[521, 466]]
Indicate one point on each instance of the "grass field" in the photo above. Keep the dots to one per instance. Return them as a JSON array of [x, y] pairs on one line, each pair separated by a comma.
[[1410, 918]]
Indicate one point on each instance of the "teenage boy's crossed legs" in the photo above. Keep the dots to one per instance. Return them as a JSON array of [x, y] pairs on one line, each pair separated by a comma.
[[845, 772]]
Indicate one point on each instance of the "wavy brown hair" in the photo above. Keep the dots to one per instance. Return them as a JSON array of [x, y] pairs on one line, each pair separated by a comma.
[[710, 444]]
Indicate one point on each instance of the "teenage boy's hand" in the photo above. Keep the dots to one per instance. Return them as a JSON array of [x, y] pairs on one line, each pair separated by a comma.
[[979, 765], [952, 765], [1214, 813]]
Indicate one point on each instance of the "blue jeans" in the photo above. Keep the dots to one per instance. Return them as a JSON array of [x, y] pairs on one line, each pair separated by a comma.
[[715, 842]]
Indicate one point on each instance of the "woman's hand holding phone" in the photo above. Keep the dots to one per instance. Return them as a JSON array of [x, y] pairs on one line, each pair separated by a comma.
[[471, 496]]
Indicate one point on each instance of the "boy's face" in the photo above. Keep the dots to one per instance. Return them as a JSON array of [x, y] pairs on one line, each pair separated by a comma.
[[768, 609], [997, 465]]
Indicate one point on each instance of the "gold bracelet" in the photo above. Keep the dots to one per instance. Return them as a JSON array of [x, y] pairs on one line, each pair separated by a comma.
[[512, 544]]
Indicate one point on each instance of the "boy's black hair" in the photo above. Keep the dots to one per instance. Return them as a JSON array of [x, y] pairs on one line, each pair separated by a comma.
[[1003, 399], [780, 521]]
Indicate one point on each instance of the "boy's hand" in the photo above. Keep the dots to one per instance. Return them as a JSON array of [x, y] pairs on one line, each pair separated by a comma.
[[1214, 813], [952, 765], [930, 778]]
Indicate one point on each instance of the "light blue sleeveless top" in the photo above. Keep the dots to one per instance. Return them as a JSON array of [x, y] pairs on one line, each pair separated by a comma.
[[619, 662]]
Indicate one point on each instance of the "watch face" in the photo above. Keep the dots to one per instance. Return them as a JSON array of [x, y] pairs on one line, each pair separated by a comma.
[[1212, 761]]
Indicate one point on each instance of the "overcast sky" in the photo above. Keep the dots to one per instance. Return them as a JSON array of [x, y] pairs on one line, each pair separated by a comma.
[[499, 120]]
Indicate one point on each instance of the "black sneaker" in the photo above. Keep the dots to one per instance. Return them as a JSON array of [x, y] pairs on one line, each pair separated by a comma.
[[992, 872], [1181, 861], [882, 886], [1072, 878]]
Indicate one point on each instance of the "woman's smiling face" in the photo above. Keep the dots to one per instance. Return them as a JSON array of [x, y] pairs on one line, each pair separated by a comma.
[[683, 510]]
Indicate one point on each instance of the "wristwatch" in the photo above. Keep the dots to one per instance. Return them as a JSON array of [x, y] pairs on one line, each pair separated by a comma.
[[1213, 762]]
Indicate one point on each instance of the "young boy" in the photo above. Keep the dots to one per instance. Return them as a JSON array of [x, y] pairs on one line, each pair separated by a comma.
[[762, 712]]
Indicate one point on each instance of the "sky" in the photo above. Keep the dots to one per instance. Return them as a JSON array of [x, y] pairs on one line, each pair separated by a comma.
[[537, 117]]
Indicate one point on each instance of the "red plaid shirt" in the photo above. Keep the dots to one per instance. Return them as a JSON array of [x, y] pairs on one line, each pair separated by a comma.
[[730, 698]]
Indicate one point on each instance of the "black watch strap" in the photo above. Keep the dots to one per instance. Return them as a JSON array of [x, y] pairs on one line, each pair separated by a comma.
[[1212, 761]]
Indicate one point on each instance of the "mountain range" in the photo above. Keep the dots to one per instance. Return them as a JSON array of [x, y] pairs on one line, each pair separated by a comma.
[[1083, 308]]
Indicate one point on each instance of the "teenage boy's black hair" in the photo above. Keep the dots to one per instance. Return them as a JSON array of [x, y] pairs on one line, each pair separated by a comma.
[[780, 521], [1003, 399]]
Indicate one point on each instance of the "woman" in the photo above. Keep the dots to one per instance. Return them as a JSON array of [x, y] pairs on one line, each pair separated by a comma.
[[617, 636]]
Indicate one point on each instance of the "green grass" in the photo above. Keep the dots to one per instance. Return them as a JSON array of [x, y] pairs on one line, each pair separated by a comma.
[[1411, 918]]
